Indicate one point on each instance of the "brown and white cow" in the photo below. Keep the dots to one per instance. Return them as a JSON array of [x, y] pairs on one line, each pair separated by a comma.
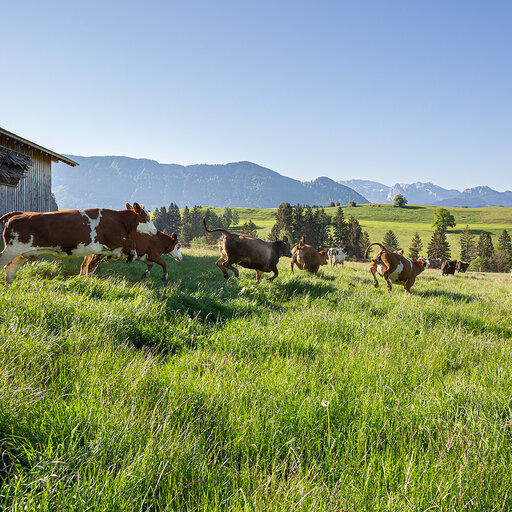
[[307, 257], [249, 252], [71, 233], [336, 255], [149, 250], [395, 268]]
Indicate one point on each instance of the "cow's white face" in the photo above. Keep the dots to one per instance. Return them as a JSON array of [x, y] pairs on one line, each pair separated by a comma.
[[147, 228], [176, 253]]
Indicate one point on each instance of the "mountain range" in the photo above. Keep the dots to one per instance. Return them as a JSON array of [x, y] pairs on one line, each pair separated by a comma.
[[428, 193], [111, 181]]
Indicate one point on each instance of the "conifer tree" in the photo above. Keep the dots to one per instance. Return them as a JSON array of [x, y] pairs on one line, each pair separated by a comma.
[[297, 223], [364, 241], [485, 247], [249, 228], [438, 246], [340, 231], [390, 241], [467, 245], [186, 234], [416, 246], [353, 244]]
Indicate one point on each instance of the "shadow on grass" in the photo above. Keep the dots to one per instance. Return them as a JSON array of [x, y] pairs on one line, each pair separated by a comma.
[[453, 296]]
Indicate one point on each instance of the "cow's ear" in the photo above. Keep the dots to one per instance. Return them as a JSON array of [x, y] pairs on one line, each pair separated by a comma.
[[174, 236], [285, 239]]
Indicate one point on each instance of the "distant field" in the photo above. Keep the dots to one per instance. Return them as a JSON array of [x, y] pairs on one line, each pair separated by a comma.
[[202, 394], [377, 219]]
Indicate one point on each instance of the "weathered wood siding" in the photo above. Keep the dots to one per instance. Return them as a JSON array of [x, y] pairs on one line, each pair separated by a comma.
[[33, 193]]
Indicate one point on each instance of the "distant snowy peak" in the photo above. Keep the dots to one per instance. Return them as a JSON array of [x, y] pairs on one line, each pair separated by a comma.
[[428, 193]]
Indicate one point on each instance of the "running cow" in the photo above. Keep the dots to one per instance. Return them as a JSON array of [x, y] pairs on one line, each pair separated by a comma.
[[150, 249], [307, 257], [249, 252], [395, 268], [336, 255], [71, 233]]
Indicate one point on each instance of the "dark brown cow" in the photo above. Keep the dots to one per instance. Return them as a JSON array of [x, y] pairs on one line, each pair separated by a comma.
[[462, 266], [307, 257], [448, 267], [71, 233], [395, 268], [249, 252], [149, 250]]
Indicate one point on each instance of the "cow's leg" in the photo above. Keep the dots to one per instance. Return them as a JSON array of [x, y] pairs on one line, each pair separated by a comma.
[[155, 258], [407, 286], [148, 270], [13, 267], [229, 264], [386, 275], [373, 270], [220, 264], [276, 272]]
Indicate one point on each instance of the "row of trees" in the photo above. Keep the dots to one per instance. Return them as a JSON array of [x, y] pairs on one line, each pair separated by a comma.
[[314, 225]]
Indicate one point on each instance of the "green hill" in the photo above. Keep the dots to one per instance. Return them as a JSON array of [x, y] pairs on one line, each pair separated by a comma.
[[379, 218]]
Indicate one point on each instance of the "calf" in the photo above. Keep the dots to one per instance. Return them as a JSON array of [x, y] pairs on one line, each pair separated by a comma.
[[307, 257], [462, 266], [70, 233], [149, 250], [336, 255], [395, 268], [448, 267], [249, 252]]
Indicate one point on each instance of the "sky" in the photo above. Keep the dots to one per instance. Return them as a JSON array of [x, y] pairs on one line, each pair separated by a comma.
[[390, 91]]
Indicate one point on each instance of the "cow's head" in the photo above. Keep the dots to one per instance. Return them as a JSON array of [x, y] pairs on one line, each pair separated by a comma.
[[144, 222], [176, 251], [423, 264], [284, 247]]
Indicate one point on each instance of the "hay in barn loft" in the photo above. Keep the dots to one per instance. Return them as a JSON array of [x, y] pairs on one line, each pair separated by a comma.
[[13, 166]]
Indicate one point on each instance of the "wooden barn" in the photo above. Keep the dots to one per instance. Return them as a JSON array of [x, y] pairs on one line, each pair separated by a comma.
[[26, 174]]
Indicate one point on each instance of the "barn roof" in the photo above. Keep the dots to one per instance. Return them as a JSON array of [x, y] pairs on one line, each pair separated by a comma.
[[54, 156]]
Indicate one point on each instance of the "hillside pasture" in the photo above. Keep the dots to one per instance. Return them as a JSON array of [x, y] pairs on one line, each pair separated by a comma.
[[308, 393], [376, 219]]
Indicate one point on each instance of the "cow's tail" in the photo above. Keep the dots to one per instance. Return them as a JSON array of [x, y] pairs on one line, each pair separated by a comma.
[[374, 243], [212, 230], [7, 216]]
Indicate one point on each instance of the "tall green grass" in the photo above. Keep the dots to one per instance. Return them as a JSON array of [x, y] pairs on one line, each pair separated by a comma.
[[202, 394]]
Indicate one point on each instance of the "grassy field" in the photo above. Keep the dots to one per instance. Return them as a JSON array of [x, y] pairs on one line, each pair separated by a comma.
[[377, 219], [308, 393]]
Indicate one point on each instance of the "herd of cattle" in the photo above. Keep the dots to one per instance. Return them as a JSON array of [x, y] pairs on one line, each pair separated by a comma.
[[101, 234]]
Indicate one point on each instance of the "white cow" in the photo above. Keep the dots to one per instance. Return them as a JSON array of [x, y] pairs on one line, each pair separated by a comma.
[[336, 255]]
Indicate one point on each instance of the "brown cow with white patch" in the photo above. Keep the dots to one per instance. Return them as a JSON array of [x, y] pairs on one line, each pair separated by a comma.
[[71, 233], [395, 268], [249, 252], [307, 257], [149, 250]]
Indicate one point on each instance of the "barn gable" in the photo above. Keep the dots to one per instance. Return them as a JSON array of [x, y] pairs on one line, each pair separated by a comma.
[[25, 174]]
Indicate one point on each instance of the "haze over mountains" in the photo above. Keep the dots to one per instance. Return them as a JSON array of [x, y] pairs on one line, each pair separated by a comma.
[[111, 181]]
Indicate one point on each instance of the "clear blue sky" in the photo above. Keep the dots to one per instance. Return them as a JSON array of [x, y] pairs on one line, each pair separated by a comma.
[[392, 91]]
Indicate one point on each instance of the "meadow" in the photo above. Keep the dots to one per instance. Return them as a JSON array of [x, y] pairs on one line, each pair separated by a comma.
[[308, 393], [377, 219]]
